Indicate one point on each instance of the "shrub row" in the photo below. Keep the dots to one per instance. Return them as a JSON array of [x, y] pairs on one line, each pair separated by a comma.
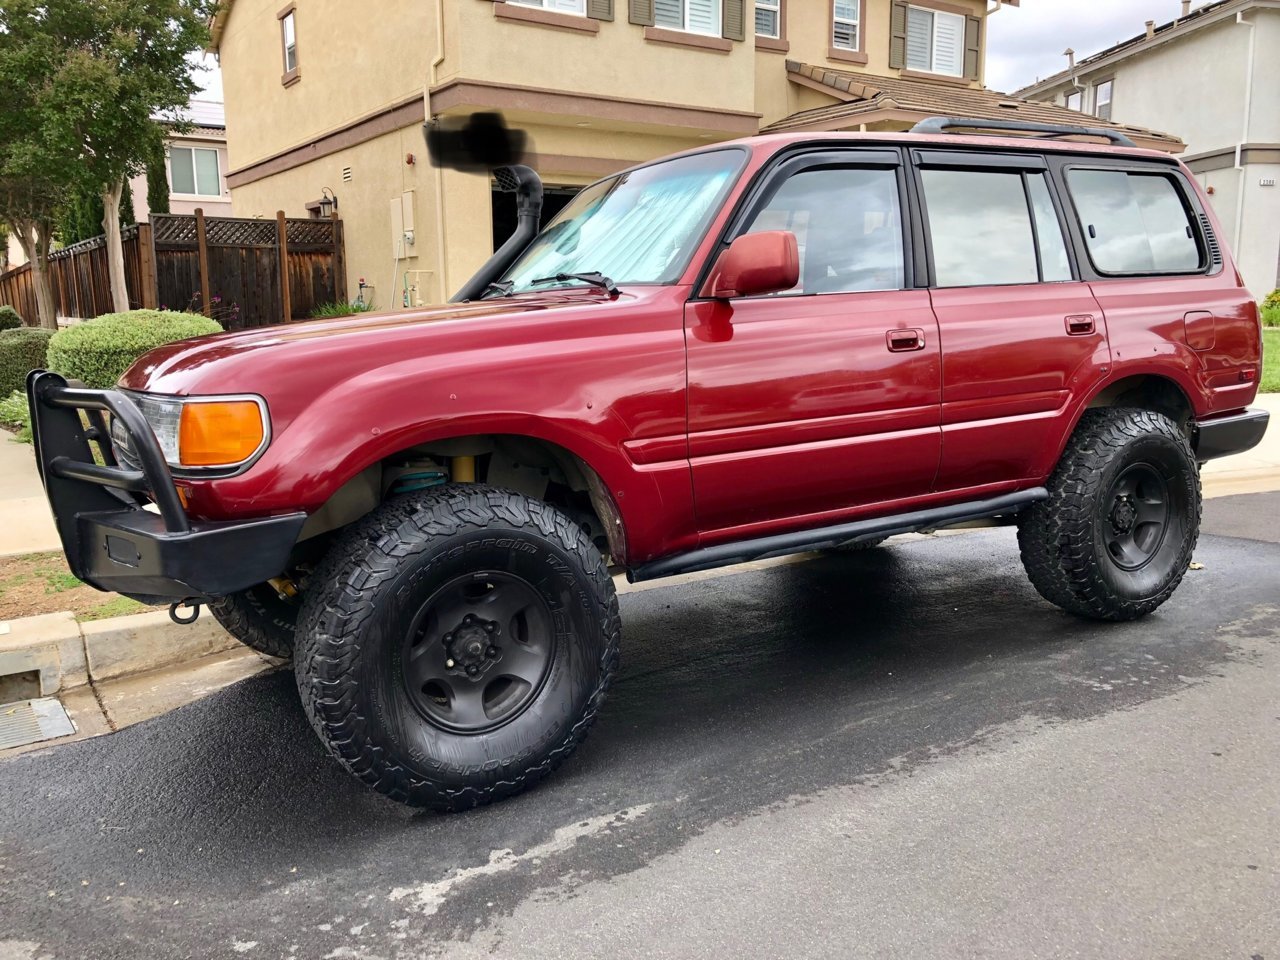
[[9, 319], [100, 351], [21, 351]]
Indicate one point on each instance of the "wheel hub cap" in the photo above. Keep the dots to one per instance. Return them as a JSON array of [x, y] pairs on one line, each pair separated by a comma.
[[1138, 516], [477, 651]]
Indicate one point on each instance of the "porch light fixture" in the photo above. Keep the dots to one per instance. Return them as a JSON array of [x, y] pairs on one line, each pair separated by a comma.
[[328, 203]]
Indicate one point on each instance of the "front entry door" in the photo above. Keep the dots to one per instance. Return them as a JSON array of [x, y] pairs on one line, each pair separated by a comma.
[[806, 405]]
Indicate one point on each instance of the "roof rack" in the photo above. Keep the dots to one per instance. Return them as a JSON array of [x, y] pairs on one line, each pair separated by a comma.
[[945, 124]]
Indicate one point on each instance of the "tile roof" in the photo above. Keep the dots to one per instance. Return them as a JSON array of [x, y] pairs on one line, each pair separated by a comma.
[[867, 98]]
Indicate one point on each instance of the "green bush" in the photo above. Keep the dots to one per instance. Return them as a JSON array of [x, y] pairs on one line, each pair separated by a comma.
[[21, 351], [1272, 299], [1271, 316], [15, 414], [100, 351], [9, 318]]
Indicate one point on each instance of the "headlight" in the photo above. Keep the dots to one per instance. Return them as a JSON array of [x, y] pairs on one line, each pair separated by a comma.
[[203, 432]]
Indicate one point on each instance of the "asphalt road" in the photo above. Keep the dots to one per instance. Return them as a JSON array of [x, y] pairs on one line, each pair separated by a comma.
[[900, 754]]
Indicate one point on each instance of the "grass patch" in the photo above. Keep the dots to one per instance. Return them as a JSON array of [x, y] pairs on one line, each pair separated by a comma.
[[1270, 361], [41, 583]]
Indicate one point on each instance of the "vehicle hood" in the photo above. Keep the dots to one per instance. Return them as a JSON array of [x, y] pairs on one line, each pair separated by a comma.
[[247, 360]]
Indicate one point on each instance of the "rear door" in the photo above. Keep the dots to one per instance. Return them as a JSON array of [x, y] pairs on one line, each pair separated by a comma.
[[808, 404], [1021, 335]]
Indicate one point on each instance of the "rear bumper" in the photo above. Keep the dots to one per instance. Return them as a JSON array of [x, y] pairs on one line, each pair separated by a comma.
[[1236, 433], [124, 529]]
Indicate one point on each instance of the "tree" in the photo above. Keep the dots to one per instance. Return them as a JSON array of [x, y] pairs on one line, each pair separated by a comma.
[[29, 205], [157, 184], [94, 74]]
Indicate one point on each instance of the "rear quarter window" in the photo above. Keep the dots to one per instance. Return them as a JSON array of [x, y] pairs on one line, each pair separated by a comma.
[[1134, 223]]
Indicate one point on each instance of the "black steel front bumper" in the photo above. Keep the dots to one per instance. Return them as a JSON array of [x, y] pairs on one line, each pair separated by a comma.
[[112, 537], [1235, 433]]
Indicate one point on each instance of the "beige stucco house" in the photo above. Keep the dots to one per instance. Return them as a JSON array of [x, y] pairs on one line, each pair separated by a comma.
[[1213, 76], [196, 165], [327, 98]]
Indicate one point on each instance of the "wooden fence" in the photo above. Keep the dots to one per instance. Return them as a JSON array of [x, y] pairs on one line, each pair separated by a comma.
[[228, 268]]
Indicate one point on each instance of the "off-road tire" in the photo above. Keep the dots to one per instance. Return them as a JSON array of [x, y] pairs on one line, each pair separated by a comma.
[[350, 668], [1063, 540], [259, 619]]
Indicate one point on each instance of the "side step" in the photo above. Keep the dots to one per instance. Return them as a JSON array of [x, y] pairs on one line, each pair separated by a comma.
[[726, 554]]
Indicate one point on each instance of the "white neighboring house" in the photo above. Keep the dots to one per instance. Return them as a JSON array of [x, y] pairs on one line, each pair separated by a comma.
[[1212, 76], [196, 162]]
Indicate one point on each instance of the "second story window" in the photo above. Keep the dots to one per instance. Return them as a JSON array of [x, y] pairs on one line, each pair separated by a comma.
[[691, 16], [935, 41], [769, 18], [193, 171], [1073, 100], [560, 6], [845, 29], [289, 44], [1102, 100]]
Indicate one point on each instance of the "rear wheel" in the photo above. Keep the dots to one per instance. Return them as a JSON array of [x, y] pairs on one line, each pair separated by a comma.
[[260, 619], [457, 645], [1116, 535]]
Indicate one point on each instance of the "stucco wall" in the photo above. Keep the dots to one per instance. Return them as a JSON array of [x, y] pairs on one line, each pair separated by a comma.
[[353, 59]]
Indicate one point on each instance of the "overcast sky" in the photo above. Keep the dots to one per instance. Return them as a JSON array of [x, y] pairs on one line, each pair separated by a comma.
[[1026, 42]]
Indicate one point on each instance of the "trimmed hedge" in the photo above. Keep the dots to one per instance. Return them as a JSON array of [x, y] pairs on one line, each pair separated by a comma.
[[9, 318], [100, 351], [21, 351]]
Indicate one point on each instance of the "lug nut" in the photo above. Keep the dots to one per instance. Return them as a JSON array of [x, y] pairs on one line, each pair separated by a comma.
[[490, 627], [450, 664], [469, 618], [492, 651], [448, 638], [472, 670]]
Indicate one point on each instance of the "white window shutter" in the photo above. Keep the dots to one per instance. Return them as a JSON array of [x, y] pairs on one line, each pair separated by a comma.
[[948, 36], [919, 39], [669, 13], [704, 16]]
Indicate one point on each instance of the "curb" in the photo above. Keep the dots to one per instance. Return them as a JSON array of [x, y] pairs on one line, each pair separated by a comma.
[[65, 654]]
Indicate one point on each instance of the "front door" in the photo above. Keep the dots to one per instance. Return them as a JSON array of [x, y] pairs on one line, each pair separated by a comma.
[[806, 405]]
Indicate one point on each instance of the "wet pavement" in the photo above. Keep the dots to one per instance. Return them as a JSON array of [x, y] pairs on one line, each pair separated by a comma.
[[900, 753]]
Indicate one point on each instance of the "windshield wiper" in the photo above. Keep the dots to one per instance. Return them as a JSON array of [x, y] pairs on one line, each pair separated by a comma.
[[504, 287], [595, 278]]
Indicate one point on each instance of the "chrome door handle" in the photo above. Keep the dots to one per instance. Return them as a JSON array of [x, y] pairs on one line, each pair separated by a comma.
[[904, 341], [1080, 325]]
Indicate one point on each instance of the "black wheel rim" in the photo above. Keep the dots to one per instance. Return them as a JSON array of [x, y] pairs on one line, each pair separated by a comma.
[[477, 652], [1138, 511]]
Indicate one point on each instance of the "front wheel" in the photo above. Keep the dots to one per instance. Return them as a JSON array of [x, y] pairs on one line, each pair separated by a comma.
[[259, 618], [1116, 535], [458, 645]]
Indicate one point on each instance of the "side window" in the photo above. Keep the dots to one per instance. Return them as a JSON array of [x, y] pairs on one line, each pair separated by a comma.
[[1054, 264], [848, 225], [982, 231], [1134, 223]]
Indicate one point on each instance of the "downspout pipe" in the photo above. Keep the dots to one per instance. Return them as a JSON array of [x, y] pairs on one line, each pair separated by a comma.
[[527, 186], [1244, 130]]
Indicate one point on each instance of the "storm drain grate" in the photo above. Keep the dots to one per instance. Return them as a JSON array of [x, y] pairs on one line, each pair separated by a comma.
[[31, 721]]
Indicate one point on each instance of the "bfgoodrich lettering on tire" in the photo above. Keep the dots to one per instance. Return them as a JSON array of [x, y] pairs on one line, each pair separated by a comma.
[[457, 644], [1116, 535]]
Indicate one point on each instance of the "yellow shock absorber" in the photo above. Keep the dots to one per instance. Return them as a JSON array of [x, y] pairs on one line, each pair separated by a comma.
[[463, 470]]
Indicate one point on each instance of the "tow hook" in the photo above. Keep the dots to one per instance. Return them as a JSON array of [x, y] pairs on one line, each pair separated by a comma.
[[176, 617]]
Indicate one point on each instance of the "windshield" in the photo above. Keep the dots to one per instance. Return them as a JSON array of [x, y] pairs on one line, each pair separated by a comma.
[[638, 227]]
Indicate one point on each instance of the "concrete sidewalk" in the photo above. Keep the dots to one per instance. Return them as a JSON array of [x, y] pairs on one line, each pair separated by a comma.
[[26, 525]]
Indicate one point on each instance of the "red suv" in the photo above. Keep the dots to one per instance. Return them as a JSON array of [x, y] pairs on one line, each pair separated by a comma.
[[781, 344]]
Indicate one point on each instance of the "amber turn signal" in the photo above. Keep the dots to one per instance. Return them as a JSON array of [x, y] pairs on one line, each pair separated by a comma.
[[219, 433]]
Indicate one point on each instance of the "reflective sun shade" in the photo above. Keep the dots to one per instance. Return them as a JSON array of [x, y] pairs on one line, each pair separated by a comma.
[[219, 433]]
